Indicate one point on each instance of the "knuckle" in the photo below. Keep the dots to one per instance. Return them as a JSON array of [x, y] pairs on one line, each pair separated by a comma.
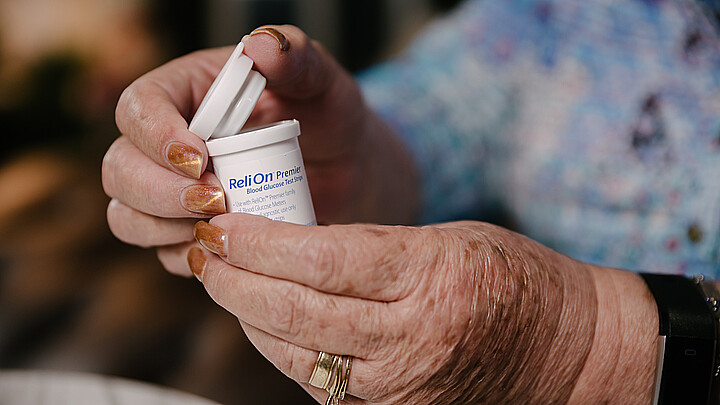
[[109, 168], [121, 224], [376, 338], [407, 261], [326, 260], [115, 221], [127, 104], [118, 224], [287, 314], [440, 242], [220, 285], [136, 114]]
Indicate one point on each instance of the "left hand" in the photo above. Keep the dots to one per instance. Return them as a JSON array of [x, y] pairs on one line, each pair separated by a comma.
[[454, 313]]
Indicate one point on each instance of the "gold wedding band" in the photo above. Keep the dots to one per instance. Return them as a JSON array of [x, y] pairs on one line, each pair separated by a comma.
[[322, 373], [343, 386], [332, 373]]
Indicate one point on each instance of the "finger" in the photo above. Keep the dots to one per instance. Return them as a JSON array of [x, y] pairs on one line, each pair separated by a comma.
[[154, 110], [306, 83], [140, 229], [131, 177], [293, 312], [298, 363], [294, 65], [175, 258], [374, 262]]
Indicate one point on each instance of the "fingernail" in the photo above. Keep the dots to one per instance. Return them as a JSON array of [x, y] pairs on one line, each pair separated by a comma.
[[185, 158], [282, 41], [211, 237], [196, 260], [203, 199]]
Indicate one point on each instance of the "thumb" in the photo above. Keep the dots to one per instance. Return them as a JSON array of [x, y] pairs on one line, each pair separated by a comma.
[[294, 65]]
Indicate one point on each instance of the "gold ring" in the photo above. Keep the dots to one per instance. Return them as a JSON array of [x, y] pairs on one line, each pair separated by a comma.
[[332, 373], [346, 377], [323, 371]]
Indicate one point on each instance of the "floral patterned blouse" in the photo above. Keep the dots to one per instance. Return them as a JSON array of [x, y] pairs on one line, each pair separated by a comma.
[[591, 126]]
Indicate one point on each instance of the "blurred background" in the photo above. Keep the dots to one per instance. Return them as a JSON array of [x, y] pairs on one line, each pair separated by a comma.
[[71, 296]]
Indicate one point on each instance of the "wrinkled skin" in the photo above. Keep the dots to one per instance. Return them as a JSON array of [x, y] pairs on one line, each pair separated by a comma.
[[462, 312], [454, 313]]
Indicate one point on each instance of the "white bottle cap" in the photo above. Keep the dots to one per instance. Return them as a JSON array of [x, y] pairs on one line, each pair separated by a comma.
[[230, 99], [259, 164], [254, 138]]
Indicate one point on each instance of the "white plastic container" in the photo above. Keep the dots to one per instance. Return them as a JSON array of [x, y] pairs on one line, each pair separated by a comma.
[[261, 169]]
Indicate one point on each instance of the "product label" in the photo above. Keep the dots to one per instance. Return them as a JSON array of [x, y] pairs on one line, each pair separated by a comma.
[[261, 180], [275, 187]]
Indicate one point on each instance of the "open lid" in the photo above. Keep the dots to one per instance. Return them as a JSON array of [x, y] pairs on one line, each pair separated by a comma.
[[230, 99]]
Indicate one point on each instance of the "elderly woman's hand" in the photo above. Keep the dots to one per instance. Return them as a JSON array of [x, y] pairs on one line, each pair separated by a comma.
[[454, 313], [156, 175]]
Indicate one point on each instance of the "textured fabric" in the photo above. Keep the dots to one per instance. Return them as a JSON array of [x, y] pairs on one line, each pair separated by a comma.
[[591, 126]]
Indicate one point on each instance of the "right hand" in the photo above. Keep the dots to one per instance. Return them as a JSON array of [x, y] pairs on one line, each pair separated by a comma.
[[155, 172]]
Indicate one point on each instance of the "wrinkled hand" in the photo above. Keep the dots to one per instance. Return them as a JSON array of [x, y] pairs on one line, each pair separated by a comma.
[[155, 172], [455, 313]]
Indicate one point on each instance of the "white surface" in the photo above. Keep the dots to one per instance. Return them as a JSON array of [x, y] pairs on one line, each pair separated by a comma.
[[221, 94], [268, 181], [64, 388], [254, 138], [242, 106]]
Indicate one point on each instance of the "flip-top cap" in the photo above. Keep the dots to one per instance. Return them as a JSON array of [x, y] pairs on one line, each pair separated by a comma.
[[254, 138], [230, 99]]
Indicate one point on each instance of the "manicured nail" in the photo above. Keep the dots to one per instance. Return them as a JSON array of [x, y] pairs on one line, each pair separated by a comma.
[[211, 237], [196, 260], [203, 199], [282, 41], [185, 158]]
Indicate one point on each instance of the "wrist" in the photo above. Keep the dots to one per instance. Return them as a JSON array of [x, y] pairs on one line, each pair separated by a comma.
[[621, 365]]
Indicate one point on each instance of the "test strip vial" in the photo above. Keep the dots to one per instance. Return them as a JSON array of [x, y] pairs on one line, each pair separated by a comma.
[[261, 169]]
